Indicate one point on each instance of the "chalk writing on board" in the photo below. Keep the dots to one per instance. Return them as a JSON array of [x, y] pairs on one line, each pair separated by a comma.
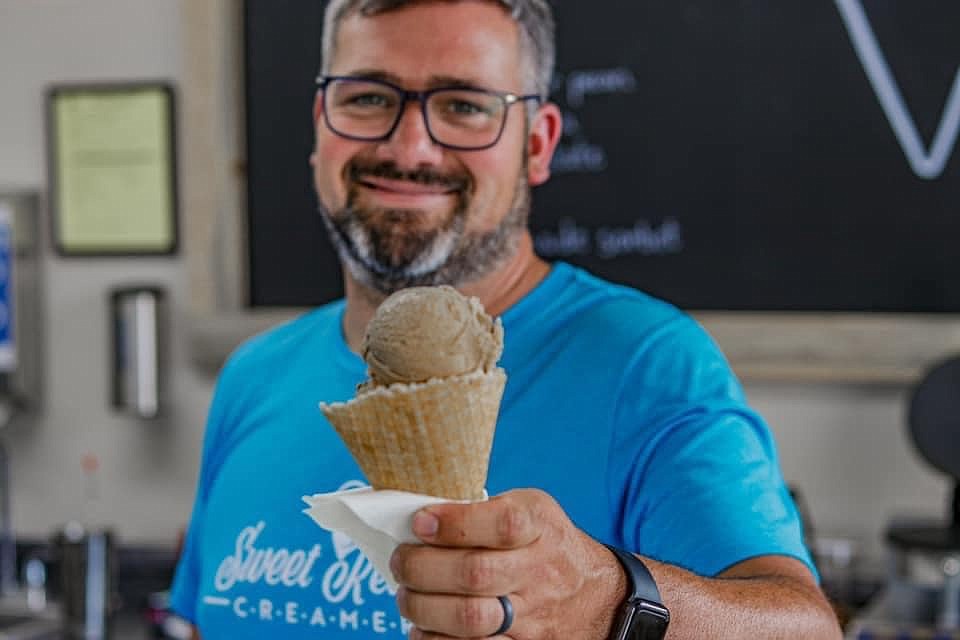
[[642, 238], [576, 153], [587, 82], [579, 157], [571, 124], [645, 238], [568, 239], [926, 164]]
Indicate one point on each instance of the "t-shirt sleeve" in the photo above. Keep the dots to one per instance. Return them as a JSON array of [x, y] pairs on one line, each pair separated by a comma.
[[703, 487]]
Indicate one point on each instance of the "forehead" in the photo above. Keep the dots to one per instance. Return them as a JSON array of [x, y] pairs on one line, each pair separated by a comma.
[[472, 40]]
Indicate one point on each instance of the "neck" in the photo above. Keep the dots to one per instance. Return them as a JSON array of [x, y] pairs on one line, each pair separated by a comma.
[[497, 291]]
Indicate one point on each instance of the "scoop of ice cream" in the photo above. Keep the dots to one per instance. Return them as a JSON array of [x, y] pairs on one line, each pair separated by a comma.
[[430, 332]]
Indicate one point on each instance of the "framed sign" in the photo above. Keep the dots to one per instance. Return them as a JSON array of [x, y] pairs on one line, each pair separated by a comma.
[[113, 169]]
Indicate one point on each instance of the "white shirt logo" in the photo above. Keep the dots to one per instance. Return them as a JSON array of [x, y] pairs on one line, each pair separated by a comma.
[[274, 566]]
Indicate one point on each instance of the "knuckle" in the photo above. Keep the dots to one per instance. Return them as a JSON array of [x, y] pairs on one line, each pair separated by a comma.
[[477, 572], [473, 616], [404, 563], [544, 503], [512, 524], [403, 604], [398, 564]]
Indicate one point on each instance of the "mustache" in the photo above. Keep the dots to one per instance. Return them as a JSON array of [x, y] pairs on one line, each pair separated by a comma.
[[390, 171]]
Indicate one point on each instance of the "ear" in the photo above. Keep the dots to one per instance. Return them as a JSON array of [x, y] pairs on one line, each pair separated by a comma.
[[543, 138], [317, 114], [317, 108]]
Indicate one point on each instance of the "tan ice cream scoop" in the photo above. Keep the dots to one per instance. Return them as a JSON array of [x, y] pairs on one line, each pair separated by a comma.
[[424, 422], [430, 332]]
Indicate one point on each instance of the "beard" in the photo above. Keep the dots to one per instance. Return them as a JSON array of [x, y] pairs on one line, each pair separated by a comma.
[[392, 249]]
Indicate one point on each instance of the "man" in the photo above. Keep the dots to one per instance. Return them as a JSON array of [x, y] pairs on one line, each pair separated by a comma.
[[430, 129]]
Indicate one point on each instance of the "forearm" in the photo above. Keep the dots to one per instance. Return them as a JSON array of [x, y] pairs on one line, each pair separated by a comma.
[[759, 607]]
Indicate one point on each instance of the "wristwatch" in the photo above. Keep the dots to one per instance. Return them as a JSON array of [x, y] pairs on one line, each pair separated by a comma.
[[642, 615]]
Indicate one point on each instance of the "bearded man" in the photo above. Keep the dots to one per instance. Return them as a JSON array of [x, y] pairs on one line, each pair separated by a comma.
[[635, 495]]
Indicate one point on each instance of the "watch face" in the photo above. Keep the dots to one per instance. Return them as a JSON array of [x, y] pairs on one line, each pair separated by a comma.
[[648, 622], [647, 626]]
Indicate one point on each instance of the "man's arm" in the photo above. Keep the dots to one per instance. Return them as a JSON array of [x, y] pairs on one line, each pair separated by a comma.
[[763, 597], [563, 584]]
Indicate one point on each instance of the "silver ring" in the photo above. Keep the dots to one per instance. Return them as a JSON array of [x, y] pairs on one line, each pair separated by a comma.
[[507, 615]]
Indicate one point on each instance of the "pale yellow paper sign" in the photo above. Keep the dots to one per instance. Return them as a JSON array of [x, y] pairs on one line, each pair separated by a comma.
[[113, 159]]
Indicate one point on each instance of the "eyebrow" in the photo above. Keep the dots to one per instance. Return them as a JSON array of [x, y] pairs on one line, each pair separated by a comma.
[[433, 82]]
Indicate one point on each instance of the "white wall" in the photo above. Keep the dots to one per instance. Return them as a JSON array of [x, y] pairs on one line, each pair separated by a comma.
[[844, 447], [847, 449], [148, 469]]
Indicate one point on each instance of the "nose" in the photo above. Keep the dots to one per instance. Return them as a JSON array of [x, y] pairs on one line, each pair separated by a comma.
[[410, 145]]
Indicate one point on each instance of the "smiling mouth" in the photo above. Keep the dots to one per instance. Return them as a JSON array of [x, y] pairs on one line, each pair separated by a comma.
[[407, 188]]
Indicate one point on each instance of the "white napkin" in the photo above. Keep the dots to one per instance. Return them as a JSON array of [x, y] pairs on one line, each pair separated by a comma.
[[377, 521]]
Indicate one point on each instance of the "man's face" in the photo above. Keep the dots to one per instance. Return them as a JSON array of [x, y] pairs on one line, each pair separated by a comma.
[[406, 211]]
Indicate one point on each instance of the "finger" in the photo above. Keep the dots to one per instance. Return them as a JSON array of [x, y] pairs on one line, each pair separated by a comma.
[[453, 616], [508, 521], [478, 572]]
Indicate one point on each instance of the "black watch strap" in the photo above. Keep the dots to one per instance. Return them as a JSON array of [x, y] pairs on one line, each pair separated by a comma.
[[641, 584]]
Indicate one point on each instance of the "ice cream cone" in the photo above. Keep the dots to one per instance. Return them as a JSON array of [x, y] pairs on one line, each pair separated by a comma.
[[432, 438]]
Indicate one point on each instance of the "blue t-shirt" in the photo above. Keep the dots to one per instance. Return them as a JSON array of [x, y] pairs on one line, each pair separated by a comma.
[[617, 404]]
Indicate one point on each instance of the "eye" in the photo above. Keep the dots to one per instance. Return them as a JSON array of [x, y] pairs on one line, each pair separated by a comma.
[[462, 104], [359, 96], [369, 99], [465, 107]]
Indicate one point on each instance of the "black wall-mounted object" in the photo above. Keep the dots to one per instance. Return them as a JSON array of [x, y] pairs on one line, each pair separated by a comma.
[[739, 155], [933, 420]]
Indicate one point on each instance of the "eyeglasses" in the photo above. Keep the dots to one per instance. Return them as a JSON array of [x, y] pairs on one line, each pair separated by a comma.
[[462, 118]]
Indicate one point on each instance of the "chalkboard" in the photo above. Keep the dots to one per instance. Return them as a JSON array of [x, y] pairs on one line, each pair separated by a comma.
[[739, 155]]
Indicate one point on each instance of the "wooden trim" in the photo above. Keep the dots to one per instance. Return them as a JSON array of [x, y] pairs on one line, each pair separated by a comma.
[[834, 347], [212, 170]]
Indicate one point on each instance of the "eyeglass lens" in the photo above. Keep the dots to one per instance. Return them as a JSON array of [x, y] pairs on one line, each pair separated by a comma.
[[456, 117]]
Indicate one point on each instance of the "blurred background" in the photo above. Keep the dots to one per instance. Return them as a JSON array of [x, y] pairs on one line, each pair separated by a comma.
[[788, 173]]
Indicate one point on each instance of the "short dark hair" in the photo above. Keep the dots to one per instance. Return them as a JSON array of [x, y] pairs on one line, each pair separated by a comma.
[[534, 17]]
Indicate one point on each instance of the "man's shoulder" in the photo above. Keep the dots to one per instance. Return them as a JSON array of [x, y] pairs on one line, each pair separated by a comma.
[[608, 306], [596, 320], [288, 338]]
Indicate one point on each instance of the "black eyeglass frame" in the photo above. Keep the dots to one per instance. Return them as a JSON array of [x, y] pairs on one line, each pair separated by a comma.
[[508, 99]]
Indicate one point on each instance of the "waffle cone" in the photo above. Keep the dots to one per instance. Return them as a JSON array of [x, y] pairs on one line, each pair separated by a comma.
[[432, 438]]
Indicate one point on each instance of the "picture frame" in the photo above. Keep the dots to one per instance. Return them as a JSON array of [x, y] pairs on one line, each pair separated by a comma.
[[113, 169]]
